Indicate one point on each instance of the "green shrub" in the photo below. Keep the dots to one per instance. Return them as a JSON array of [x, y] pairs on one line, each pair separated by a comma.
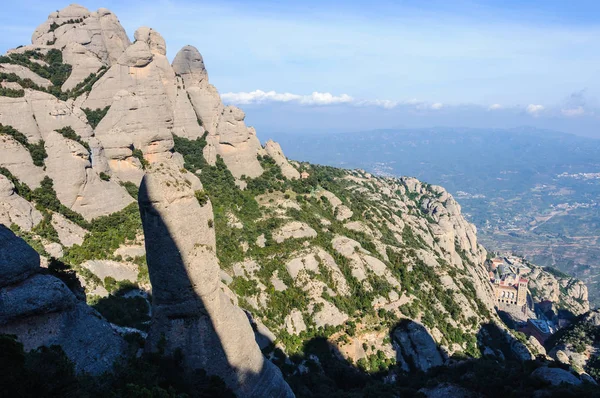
[[94, 116], [131, 188], [21, 189], [104, 176], [137, 153], [45, 196], [202, 197], [131, 312], [105, 235], [37, 150], [69, 133], [192, 151]]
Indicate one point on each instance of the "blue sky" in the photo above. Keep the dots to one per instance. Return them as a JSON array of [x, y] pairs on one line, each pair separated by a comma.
[[350, 65]]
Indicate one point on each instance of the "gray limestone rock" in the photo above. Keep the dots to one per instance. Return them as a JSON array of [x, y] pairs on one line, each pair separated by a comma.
[[89, 39], [417, 347], [17, 160], [85, 336], [41, 311], [69, 233], [37, 295], [17, 259]]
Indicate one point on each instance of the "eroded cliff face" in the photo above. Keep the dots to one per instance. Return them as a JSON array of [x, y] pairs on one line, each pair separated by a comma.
[[123, 100], [191, 312], [566, 292]]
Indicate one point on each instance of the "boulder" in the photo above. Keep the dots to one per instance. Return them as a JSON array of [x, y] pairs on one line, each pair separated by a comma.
[[417, 347], [556, 376], [18, 260], [294, 230], [41, 311], [39, 294]]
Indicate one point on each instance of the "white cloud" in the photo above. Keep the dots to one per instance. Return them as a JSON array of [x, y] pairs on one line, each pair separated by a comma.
[[259, 96], [387, 104], [495, 107], [317, 98], [321, 99], [572, 112], [534, 110]]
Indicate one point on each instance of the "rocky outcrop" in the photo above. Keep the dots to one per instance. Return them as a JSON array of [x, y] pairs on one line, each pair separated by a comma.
[[89, 39], [416, 347], [140, 115], [556, 376], [273, 150], [294, 230], [565, 291], [189, 310], [41, 311], [228, 135], [77, 185], [14, 209], [576, 345]]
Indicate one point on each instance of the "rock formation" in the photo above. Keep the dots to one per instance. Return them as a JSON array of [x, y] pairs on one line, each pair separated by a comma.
[[14, 209], [190, 311], [41, 311], [341, 251], [274, 151], [565, 291], [228, 135], [417, 347]]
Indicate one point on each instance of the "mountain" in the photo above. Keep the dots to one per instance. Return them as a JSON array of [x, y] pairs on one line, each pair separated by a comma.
[[150, 246], [529, 191]]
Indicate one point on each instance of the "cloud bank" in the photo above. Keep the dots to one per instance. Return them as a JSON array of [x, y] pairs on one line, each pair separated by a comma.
[[321, 99]]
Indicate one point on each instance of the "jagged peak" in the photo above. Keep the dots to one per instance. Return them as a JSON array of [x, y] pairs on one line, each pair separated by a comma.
[[155, 41], [189, 64]]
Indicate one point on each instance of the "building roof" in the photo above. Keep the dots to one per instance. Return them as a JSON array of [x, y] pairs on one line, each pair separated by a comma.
[[540, 325]]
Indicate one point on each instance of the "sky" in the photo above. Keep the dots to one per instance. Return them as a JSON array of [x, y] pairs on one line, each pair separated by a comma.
[[333, 65]]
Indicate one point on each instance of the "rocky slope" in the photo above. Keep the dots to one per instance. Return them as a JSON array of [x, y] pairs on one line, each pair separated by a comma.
[[385, 271], [548, 284]]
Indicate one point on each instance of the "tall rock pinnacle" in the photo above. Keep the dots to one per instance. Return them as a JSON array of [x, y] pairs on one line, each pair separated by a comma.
[[190, 311]]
